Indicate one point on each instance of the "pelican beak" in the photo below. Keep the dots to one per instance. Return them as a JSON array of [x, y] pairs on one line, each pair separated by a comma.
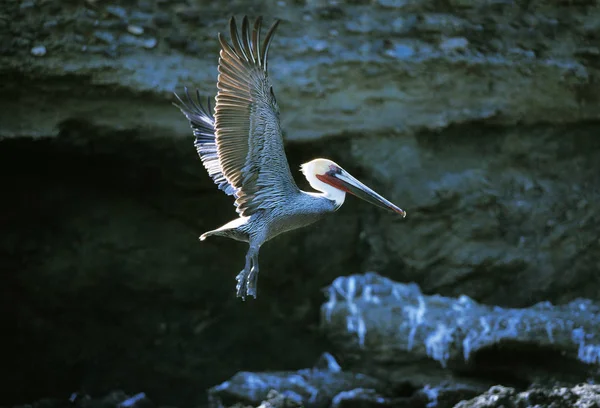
[[343, 180]]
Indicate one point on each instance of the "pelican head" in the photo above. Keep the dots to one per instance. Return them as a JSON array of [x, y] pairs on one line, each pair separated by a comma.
[[334, 182]]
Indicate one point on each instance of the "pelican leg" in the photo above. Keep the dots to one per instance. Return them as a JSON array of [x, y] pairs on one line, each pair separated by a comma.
[[252, 280], [242, 278]]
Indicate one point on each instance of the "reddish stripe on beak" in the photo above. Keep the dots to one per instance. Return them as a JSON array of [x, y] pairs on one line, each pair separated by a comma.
[[334, 182]]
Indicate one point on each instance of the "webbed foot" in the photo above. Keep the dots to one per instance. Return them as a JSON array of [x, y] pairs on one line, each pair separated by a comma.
[[248, 278], [252, 282], [242, 284], [247, 283]]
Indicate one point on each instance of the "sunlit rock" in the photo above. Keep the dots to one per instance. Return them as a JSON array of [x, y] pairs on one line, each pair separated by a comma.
[[373, 320]]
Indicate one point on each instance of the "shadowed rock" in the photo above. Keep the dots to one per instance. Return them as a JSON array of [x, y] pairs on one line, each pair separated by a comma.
[[327, 385], [315, 387]]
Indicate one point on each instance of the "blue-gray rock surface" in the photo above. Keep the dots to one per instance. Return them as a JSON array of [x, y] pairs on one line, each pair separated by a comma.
[[392, 330], [579, 396]]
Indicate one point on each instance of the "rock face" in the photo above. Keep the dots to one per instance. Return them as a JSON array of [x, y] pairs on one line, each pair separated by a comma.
[[584, 395], [479, 118], [114, 399], [339, 68], [433, 351], [392, 331], [502, 223], [315, 388]]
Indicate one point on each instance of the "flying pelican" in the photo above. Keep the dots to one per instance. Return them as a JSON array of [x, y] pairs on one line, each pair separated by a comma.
[[241, 147]]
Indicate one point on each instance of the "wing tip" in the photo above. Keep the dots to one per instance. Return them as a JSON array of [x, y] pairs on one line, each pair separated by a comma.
[[193, 107], [247, 47]]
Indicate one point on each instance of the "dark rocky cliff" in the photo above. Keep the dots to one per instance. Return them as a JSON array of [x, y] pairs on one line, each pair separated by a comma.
[[480, 118]]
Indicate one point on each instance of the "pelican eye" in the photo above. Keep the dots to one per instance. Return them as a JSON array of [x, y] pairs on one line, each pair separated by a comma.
[[333, 170]]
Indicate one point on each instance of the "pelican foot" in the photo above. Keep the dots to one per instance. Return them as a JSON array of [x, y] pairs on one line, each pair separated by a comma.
[[246, 283], [242, 284], [251, 282]]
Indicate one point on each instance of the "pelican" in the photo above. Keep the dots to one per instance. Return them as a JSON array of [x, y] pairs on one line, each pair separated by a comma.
[[241, 147]]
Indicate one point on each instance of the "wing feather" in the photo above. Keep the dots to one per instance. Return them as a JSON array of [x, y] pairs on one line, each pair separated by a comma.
[[203, 126], [248, 134]]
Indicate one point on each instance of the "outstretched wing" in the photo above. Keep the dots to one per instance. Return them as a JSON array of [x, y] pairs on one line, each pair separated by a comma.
[[203, 126], [248, 133]]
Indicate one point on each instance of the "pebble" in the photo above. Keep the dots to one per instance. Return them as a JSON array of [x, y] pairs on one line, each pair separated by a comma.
[[442, 23], [319, 45], [38, 51], [150, 43], [117, 11], [127, 39], [105, 36], [454, 44], [521, 51], [135, 30], [400, 51], [393, 3]]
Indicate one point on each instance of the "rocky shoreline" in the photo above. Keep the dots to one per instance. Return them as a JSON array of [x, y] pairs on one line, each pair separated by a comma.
[[584, 395], [403, 348]]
